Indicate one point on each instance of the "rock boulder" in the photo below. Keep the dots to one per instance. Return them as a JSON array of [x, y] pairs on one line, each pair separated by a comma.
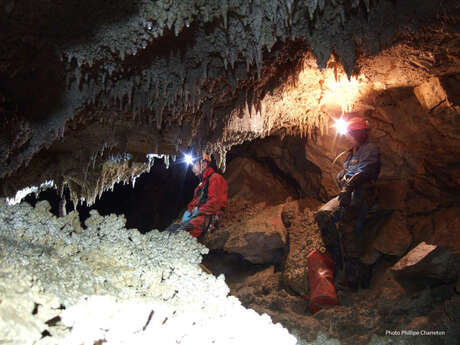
[[259, 239], [428, 261]]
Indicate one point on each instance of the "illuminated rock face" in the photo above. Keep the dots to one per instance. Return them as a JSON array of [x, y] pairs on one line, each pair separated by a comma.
[[113, 285]]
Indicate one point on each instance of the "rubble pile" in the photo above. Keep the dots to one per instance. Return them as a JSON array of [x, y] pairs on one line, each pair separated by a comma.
[[61, 284]]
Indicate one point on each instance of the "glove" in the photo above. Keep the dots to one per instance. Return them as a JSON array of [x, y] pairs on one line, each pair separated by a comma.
[[345, 197], [187, 217], [195, 212], [357, 180]]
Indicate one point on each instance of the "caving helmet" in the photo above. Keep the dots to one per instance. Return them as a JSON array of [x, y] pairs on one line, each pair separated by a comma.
[[357, 123], [206, 157]]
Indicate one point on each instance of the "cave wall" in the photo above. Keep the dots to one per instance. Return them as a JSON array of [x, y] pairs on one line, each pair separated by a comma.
[[419, 148], [268, 231]]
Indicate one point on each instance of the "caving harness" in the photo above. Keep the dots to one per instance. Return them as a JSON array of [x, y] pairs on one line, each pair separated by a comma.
[[203, 192]]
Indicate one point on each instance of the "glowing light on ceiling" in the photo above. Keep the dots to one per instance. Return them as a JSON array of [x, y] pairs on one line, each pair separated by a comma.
[[308, 101], [341, 91], [341, 126]]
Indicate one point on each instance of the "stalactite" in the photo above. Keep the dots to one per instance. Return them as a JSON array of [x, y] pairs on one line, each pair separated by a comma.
[[78, 76], [322, 4], [312, 5], [166, 161], [366, 2], [159, 116], [342, 16], [184, 83], [289, 7], [224, 10], [259, 62]]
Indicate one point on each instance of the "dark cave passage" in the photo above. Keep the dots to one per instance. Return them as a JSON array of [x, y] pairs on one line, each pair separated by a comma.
[[157, 198]]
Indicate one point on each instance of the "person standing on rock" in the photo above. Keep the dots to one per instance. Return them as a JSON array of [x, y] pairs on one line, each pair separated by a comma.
[[342, 218], [208, 203]]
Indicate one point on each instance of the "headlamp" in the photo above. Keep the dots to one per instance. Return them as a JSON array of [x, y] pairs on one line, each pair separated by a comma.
[[188, 159], [341, 126]]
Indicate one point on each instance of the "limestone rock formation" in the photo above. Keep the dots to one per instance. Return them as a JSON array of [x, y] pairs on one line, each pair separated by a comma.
[[92, 92], [285, 157], [389, 234], [87, 82], [394, 237], [251, 182]]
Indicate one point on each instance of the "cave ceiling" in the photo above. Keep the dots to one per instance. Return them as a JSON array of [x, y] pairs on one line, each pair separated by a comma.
[[89, 88]]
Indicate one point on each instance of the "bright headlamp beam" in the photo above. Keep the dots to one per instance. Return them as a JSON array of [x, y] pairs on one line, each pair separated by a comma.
[[188, 159], [342, 126]]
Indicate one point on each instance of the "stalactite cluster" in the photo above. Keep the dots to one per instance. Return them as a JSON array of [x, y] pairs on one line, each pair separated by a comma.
[[182, 72]]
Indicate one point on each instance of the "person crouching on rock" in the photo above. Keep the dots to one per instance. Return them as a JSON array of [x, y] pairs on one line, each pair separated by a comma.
[[208, 203], [342, 218]]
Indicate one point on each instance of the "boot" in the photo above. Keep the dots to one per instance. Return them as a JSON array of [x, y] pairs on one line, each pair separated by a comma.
[[173, 227]]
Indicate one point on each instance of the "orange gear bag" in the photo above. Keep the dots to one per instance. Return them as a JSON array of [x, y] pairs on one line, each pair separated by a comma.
[[321, 281]]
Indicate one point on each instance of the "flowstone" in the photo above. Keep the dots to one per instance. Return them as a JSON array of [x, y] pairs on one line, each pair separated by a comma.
[[107, 284]]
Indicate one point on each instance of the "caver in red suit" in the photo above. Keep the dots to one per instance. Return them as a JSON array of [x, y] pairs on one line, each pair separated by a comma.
[[209, 200]]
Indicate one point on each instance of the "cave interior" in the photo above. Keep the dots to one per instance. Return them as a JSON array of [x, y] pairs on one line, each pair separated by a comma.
[[99, 103]]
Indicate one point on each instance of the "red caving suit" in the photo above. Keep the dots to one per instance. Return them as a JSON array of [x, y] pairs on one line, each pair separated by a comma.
[[210, 197]]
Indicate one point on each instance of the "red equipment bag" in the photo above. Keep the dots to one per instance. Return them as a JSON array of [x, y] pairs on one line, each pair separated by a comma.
[[321, 281]]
